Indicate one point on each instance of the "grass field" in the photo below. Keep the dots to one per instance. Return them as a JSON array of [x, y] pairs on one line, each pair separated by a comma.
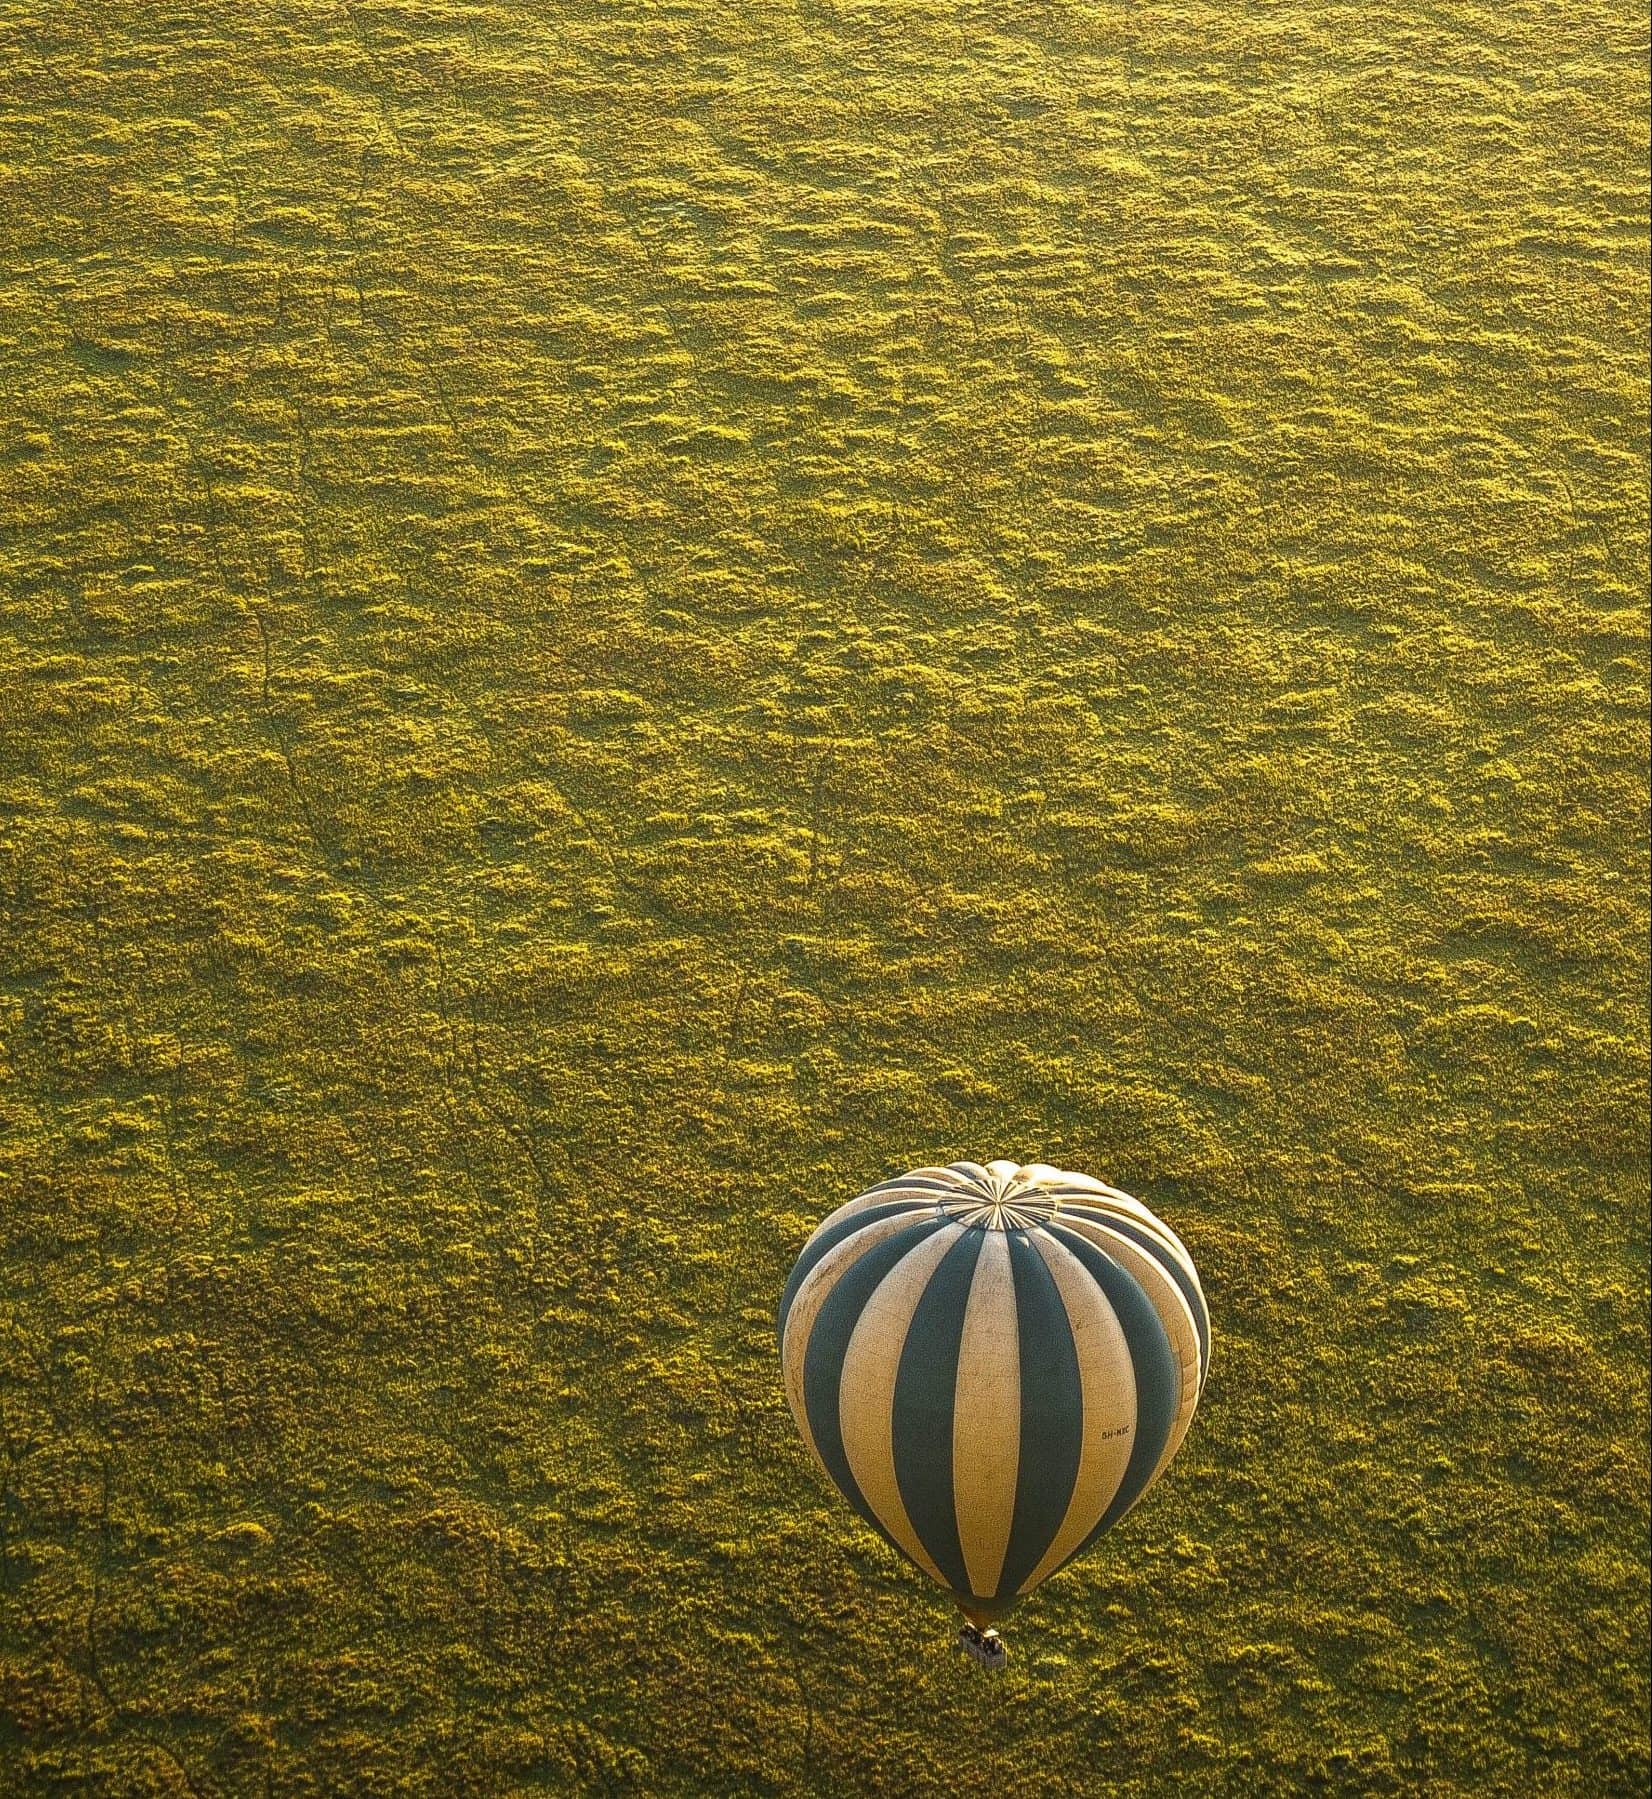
[[620, 619]]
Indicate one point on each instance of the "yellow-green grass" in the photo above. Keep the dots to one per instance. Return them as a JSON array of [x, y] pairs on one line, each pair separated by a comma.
[[620, 619]]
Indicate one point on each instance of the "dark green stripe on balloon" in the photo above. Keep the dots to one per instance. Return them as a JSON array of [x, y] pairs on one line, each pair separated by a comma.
[[829, 1343], [817, 1248], [1052, 1414], [926, 1387], [1163, 1254], [1158, 1383]]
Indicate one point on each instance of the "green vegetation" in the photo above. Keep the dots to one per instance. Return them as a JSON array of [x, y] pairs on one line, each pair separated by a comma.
[[622, 618]]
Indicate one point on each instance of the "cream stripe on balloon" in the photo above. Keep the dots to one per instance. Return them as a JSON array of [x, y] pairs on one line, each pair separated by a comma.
[[866, 1393], [1109, 1199], [986, 1417], [812, 1295], [1156, 1282], [1135, 1213], [1108, 1385], [866, 1202], [1175, 1315]]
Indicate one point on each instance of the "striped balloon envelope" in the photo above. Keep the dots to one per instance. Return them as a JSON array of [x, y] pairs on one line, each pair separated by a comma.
[[993, 1364]]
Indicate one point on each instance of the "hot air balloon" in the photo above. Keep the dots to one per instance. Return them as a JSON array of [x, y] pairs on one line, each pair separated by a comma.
[[993, 1365]]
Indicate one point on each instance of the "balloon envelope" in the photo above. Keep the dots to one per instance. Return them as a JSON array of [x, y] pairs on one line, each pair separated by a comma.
[[993, 1364]]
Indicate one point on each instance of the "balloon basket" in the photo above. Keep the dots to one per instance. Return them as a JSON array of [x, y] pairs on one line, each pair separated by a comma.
[[983, 1646]]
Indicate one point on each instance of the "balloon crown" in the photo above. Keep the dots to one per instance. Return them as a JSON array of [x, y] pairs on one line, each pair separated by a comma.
[[1004, 1196]]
